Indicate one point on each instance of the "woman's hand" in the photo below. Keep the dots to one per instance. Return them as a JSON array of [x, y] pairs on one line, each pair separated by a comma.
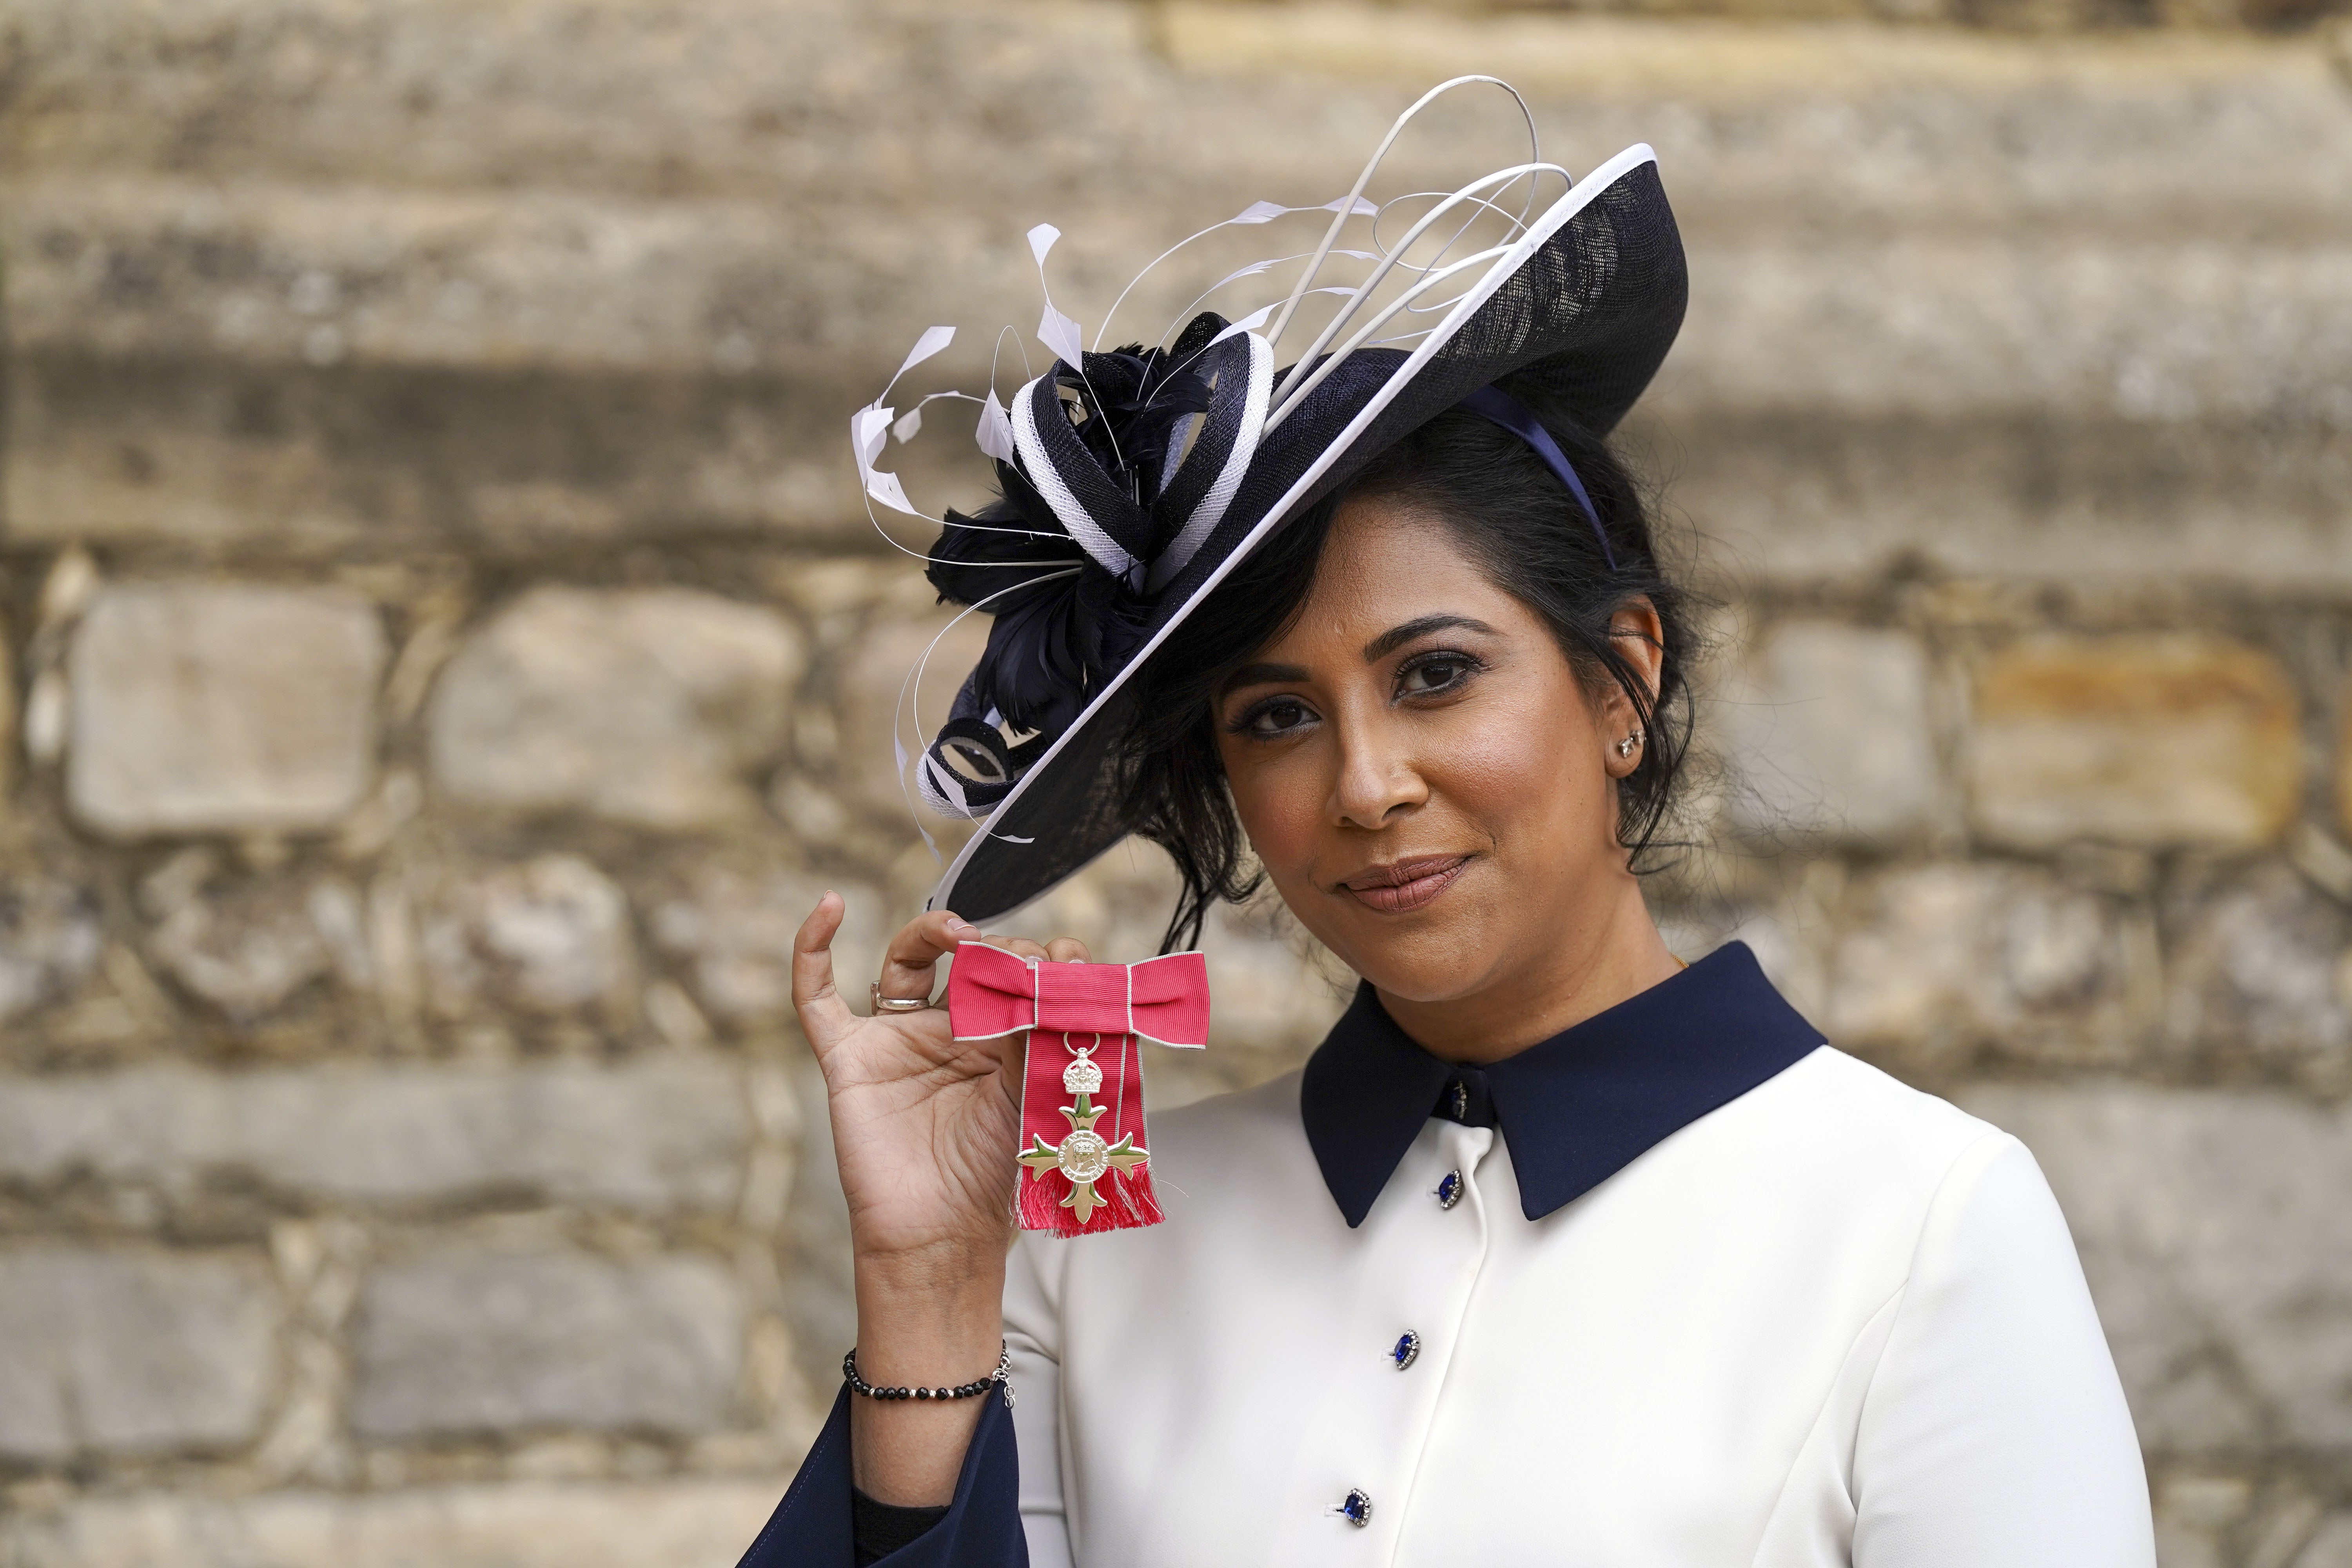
[[925, 1128]]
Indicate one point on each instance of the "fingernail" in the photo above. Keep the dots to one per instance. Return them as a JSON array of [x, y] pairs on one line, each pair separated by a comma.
[[959, 925]]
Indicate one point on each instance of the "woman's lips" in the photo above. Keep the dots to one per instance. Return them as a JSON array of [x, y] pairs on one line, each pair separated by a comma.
[[1407, 885]]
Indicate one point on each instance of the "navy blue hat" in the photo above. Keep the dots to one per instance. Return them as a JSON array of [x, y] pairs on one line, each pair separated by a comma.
[[1133, 481]]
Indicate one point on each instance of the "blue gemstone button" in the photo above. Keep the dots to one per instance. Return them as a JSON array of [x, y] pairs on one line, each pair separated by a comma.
[[1407, 1349], [1358, 1509], [1449, 1190]]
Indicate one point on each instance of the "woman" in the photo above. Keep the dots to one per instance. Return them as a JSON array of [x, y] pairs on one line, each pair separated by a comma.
[[1558, 1250]]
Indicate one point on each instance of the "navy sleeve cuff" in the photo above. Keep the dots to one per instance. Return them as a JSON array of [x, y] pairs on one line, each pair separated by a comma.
[[815, 1526]]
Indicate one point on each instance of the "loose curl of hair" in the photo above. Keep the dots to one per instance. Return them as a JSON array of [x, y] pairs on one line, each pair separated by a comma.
[[1526, 534]]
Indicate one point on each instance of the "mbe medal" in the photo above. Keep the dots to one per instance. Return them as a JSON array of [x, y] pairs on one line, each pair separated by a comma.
[[1086, 1167]]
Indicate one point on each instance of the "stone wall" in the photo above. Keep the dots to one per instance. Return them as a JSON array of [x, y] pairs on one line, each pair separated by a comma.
[[445, 657]]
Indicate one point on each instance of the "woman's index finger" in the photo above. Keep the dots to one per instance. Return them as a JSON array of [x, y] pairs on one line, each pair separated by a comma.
[[919, 945]]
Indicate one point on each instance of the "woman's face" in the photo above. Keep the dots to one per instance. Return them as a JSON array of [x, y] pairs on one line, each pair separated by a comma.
[[1423, 776]]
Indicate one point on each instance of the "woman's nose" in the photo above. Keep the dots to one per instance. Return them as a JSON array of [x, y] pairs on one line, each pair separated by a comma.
[[1379, 777]]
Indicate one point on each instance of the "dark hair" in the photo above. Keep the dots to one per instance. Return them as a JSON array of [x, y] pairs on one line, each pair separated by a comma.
[[1525, 534]]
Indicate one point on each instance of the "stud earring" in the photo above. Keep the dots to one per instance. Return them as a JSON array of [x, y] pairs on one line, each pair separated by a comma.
[[1625, 747]]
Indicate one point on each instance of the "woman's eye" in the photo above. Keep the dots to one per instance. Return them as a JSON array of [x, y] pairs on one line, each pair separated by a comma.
[[1434, 675], [1278, 717]]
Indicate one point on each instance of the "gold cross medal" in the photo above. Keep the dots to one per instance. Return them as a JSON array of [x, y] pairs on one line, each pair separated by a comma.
[[1083, 1024], [1085, 1156]]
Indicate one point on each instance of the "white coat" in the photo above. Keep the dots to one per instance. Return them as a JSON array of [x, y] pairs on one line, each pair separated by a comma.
[[1833, 1322]]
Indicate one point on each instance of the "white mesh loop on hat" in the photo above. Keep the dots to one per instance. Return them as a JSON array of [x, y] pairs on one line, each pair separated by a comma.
[[1038, 468], [1211, 509]]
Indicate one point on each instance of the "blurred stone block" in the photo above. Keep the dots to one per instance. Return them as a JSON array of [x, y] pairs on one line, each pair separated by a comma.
[[650, 707], [1830, 729], [8, 706], [550, 936], [213, 454], [1943, 957], [1799, 494], [2330, 1546], [2194, 1515], [140, 1352], [49, 940], [672, 1523], [209, 707], [2157, 741], [650, 1137], [733, 927], [249, 948], [2343, 734], [462, 1341], [2213, 1228], [2261, 963], [260, 270]]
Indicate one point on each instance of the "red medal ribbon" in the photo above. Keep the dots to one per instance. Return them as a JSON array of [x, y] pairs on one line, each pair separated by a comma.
[[1082, 1141]]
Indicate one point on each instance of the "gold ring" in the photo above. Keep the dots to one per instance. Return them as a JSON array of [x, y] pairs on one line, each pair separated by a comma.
[[898, 1003]]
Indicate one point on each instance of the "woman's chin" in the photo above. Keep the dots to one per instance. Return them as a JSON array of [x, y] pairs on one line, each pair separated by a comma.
[[1428, 960]]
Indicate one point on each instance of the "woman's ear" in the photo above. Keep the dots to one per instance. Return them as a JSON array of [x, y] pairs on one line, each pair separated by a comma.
[[1635, 632]]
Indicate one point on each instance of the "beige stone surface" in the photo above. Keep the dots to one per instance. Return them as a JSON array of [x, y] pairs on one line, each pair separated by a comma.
[[732, 928], [465, 1340], [1943, 959], [49, 941], [2154, 327], [248, 949], [8, 708], [2261, 966], [2158, 741], [1717, 59], [2014, 275], [550, 936], [2330, 1546], [130, 1351], [2194, 1515], [650, 707], [683, 1524], [203, 707], [1830, 728], [648, 1137], [485, 279], [2178, 1201], [2343, 762]]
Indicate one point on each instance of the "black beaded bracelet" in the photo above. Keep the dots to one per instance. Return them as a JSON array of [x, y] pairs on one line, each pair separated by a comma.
[[971, 1390]]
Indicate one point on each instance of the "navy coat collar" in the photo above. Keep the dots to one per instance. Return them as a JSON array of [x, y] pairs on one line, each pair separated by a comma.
[[1576, 1109]]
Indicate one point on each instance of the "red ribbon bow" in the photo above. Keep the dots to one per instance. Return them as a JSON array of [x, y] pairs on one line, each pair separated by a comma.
[[1082, 1090]]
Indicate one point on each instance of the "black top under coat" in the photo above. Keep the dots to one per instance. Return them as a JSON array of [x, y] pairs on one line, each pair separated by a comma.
[[1577, 1109]]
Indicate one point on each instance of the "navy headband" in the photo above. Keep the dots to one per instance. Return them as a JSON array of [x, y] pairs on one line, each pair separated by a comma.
[[1494, 405]]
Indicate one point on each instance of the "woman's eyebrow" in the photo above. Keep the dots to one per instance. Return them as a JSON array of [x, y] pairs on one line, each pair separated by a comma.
[[1397, 636], [1262, 675]]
